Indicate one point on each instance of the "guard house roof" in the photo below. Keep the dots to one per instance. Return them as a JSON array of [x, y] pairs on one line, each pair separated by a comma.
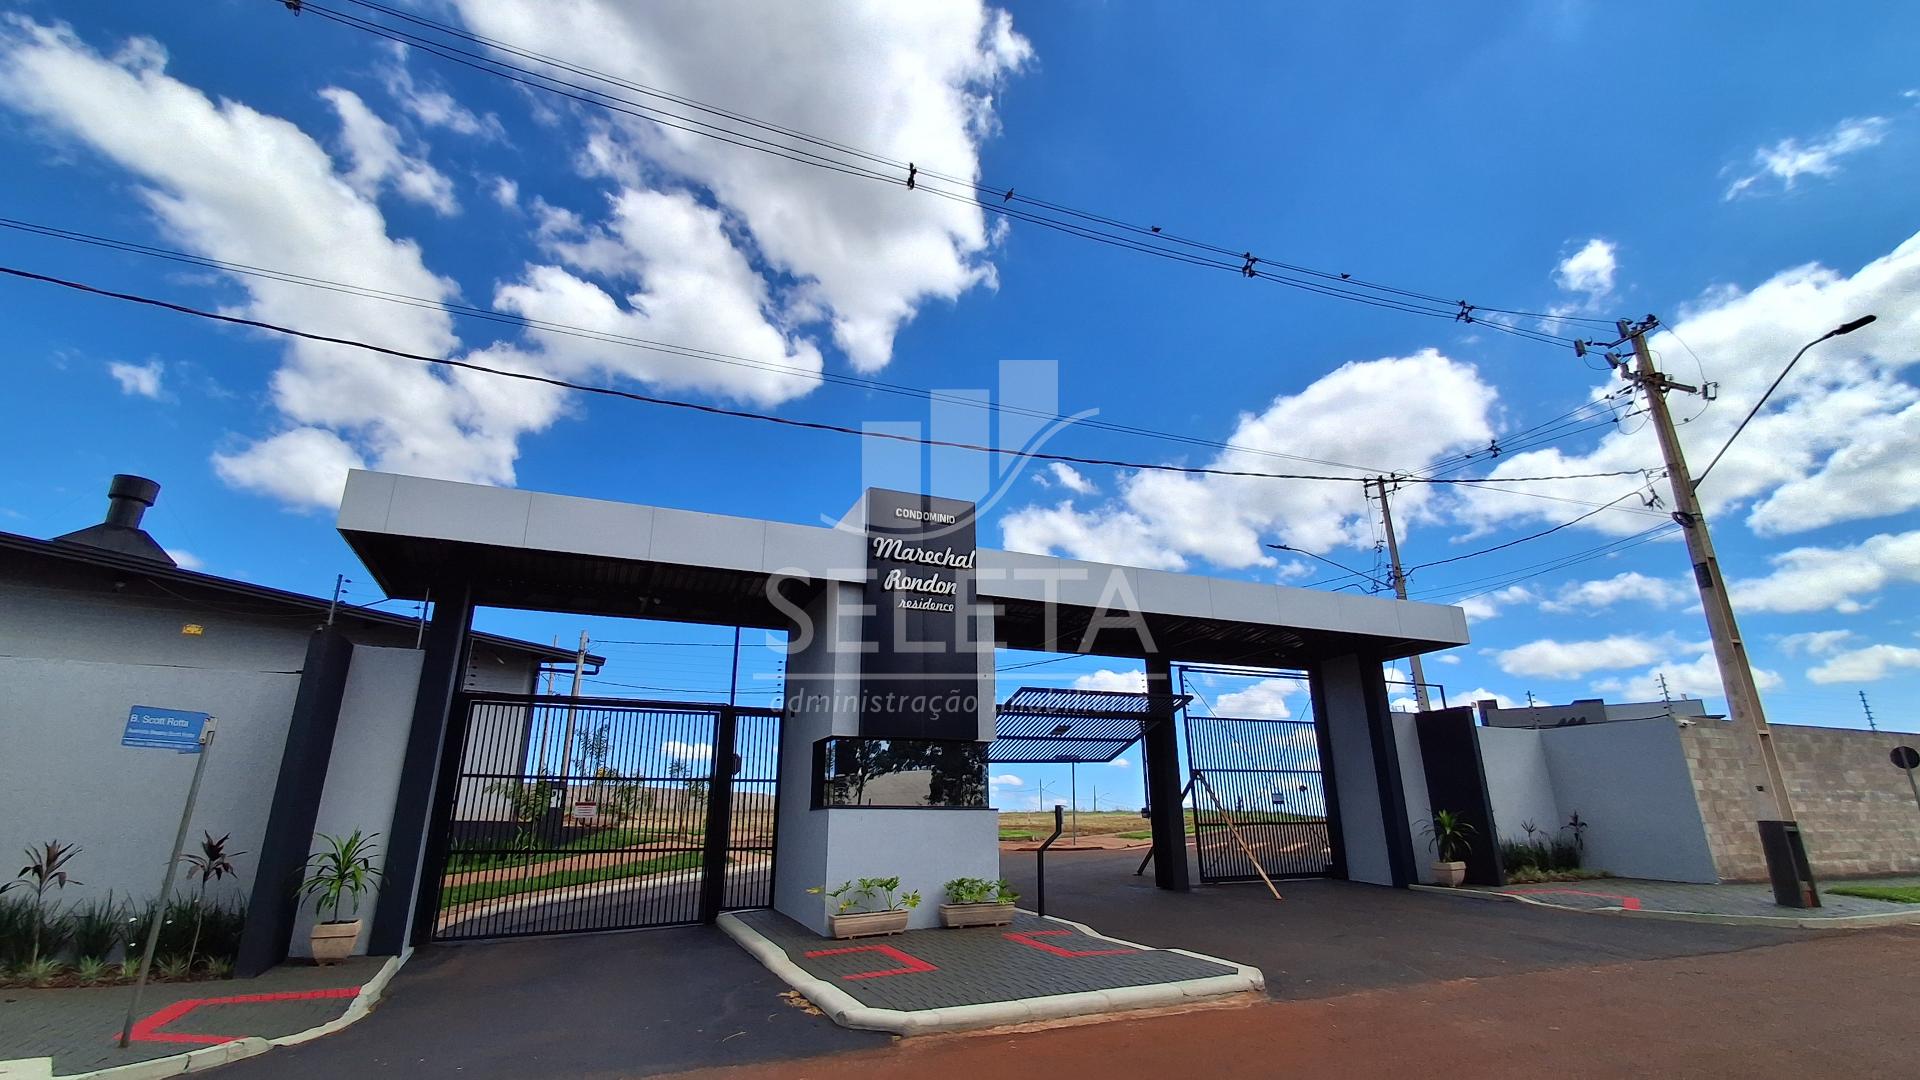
[[526, 549]]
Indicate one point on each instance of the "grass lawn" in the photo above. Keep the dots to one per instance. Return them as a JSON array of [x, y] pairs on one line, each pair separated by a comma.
[[1040, 824], [507, 851], [1134, 835], [559, 879], [1899, 894], [1016, 836]]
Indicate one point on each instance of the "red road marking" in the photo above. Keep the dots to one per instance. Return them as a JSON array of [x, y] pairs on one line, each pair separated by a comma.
[[910, 964], [148, 1030], [1630, 903], [1025, 937]]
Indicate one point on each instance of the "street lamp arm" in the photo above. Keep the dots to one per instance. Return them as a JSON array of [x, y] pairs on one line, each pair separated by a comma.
[[1330, 562], [1843, 328]]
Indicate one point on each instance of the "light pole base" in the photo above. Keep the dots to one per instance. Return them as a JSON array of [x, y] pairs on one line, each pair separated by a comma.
[[1787, 866]]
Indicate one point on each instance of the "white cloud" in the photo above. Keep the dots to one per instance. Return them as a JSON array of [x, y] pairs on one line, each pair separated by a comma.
[[142, 380], [1443, 658], [1481, 693], [1121, 763], [683, 281], [373, 147], [1488, 605], [1006, 780], [429, 103], [1266, 699], [1831, 579], [1790, 159], [1627, 586], [1699, 677], [184, 559], [909, 81], [1167, 520], [1067, 477], [302, 466], [686, 751], [1809, 460], [229, 182], [1590, 270], [1552, 659], [1814, 642], [1865, 665], [506, 192], [1134, 680]]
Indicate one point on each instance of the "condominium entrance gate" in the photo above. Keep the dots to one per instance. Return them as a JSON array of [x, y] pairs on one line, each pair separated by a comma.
[[1268, 778], [560, 815]]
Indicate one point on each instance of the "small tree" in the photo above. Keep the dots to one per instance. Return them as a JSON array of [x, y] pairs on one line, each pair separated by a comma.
[[343, 871], [45, 869], [214, 863], [527, 802]]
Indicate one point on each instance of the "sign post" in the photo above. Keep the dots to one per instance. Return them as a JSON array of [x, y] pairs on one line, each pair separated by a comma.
[[1908, 759], [184, 733]]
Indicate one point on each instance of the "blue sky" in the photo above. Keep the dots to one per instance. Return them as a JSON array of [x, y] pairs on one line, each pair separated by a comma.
[[1748, 179]]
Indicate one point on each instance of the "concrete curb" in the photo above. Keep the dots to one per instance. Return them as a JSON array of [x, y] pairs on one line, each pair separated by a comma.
[[209, 1057], [1801, 922], [844, 1010]]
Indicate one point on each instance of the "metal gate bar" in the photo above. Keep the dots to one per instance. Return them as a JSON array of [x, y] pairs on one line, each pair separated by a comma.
[[1268, 776], [568, 815]]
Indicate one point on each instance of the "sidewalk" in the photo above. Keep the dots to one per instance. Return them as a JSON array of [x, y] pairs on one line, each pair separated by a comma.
[[1731, 902], [79, 1028]]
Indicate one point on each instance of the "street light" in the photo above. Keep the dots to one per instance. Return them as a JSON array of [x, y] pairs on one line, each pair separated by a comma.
[[1843, 328]]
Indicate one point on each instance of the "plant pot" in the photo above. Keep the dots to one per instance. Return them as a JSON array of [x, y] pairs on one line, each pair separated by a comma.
[[1450, 874], [986, 914], [867, 923], [334, 941]]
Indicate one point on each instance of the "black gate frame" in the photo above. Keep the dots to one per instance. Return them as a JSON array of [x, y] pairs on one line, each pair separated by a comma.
[[716, 843], [1202, 801]]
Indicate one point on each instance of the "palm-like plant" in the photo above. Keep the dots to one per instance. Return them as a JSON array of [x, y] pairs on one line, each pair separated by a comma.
[[213, 863], [45, 869], [345, 869], [1449, 835]]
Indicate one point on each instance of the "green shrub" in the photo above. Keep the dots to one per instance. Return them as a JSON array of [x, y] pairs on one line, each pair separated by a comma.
[[1537, 875], [17, 918], [92, 969], [172, 967], [97, 926], [979, 891]]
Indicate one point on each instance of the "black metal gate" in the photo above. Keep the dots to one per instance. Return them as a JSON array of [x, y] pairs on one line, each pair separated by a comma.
[[561, 815], [1267, 776]]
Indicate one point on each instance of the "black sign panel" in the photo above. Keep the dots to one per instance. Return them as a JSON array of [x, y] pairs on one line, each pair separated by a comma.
[[921, 679]]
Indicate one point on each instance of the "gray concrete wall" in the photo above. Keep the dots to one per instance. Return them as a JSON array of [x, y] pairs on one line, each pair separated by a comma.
[[1630, 779], [364, 773], [1413, 782], [1361, 828], [72, 663], [1519, 786]]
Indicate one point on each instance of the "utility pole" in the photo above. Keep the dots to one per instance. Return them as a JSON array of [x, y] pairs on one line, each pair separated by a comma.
[[1774, 810], [1666, 696], [1400, 590], [1871, 726]]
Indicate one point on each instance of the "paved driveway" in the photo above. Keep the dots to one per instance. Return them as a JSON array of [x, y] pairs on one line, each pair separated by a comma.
[[609, 1005], [1333, 937]]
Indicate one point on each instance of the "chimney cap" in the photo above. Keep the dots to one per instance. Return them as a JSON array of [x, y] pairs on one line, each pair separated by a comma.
[[138, 488]]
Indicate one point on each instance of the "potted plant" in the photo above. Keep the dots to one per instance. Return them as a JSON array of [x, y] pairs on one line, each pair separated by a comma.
[[1449, 837], [338, 877], [977, 902], [868, 906]]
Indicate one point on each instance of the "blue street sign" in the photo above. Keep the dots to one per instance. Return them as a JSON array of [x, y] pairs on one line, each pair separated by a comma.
[[163, 729]]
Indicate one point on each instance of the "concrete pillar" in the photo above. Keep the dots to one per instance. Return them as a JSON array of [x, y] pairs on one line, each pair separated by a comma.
[[396, 921], [1160, 754], [1350, 695]]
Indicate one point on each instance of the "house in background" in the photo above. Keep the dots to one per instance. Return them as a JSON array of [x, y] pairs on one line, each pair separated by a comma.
[[1590, 711], [313, 708]]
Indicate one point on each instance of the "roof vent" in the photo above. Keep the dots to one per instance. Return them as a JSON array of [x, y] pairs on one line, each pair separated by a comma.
[[128, 498]]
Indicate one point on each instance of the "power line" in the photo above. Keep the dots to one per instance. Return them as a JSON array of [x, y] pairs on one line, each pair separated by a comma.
[[690, 352], [718, 410], [1474, 587], [1521, 540], [1146, 239]]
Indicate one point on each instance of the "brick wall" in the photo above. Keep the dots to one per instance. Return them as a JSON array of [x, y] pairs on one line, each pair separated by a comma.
[[1855, 809]]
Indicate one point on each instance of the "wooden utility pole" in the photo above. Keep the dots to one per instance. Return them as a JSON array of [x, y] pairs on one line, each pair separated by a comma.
[[1400, 590], [1729, 649]]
